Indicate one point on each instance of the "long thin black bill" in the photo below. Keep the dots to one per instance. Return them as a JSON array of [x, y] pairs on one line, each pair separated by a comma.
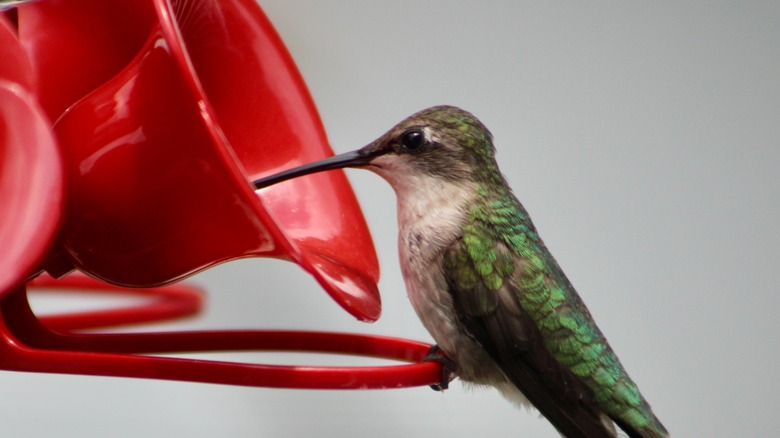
[[347, 159]]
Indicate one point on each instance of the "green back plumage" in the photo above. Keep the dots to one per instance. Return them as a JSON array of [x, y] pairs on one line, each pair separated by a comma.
[[501, 250]]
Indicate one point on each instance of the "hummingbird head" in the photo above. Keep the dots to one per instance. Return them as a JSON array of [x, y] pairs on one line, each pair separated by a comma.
[[441, 144]]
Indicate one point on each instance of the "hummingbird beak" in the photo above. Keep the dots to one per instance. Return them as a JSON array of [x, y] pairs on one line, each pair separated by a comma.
[[360, 157]]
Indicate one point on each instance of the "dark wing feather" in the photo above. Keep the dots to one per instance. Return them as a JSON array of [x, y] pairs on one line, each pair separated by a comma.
[[497, 321]]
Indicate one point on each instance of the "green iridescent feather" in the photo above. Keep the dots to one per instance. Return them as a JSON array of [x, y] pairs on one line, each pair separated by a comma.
[[500, 248], [498, 222]]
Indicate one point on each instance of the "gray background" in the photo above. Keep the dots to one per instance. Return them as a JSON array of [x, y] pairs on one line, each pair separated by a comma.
[[643, 137]]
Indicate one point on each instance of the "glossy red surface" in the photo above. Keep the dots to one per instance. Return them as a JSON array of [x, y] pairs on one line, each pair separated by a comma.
[[160, 304], [159, 158], [30, 169], [29, 344], [77, 45], [16, 66]]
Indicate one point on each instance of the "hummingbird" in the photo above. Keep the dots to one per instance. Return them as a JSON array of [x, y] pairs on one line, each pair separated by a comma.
[[484, 284]]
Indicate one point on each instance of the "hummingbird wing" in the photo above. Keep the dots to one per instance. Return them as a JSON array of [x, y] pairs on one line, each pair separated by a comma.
[[497, 320], [514, 299]]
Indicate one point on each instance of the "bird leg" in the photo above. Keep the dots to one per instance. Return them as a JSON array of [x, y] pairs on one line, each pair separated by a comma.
[[448, 367]]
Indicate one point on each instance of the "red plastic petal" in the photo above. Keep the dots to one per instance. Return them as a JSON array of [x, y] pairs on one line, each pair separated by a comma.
[[160, 156], [77, 45], [30, 169]]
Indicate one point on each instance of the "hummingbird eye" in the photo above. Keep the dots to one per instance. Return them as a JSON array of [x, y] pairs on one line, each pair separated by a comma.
[[413, 140]]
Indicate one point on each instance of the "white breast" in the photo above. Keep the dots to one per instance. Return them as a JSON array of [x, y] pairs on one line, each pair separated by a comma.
[[431, 215], [427, 227]]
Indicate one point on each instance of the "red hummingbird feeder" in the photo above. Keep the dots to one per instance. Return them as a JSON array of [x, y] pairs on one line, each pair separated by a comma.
[[164, 111]]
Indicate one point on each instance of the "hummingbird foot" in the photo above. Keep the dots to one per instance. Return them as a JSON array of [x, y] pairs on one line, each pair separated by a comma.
[[448, 367]]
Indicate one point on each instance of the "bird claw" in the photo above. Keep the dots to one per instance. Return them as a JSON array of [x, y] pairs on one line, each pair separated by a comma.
[[448, 367]]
